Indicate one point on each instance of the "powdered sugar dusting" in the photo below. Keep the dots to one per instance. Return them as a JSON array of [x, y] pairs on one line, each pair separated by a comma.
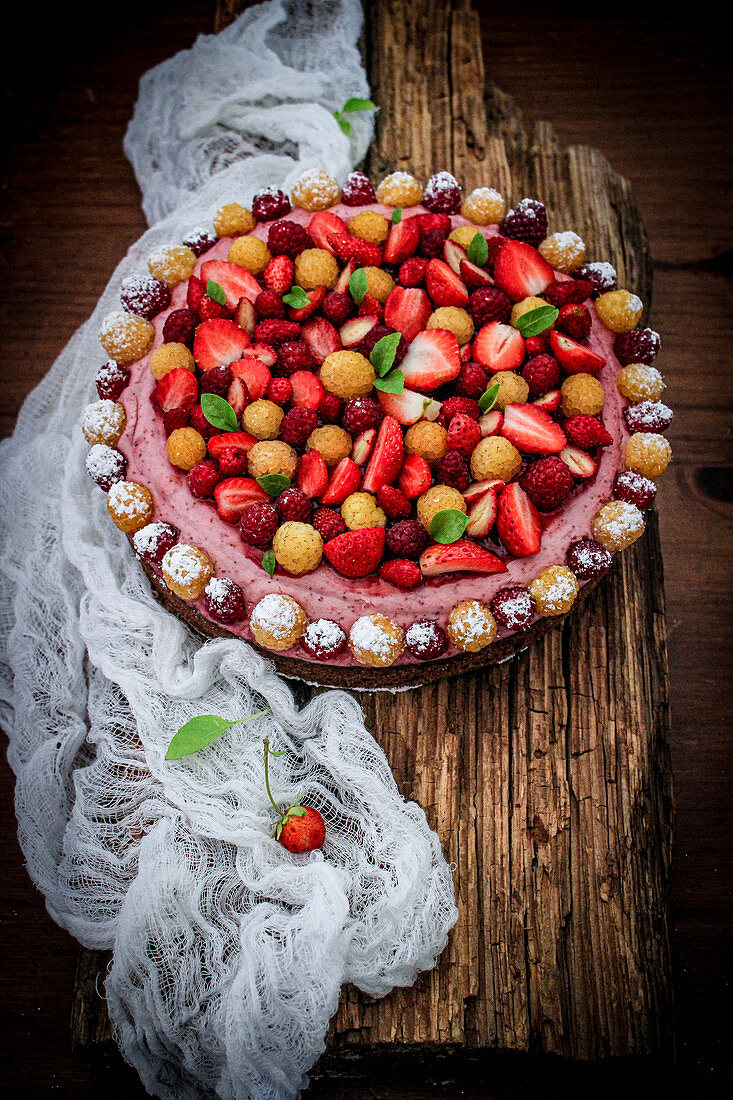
[[276, 614]]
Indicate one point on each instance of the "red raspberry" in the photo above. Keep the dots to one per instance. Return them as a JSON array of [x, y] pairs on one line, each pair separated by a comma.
[[152, 542], [111, 379], [199, 241], [357, 190], [276, 332], [426, 640], [258, 524], [217, 380], [330, 408], [278, 275], [297, 425], [453, 470], [488, 303], [432, 244], [370, 307], [268, 304], [434, 220], [270, 203], [144, 295], [602, 276], [412, 271], [635, 489], [224, 600], [287, 238], [195, 292], [512, 607], [279, 390], [328, 523], [233, 462], [568, 292], [360, 414], [574, 320], [464, 434], [472, 380], [401, 572], [294, 355], [495, 243], [323, 638], [366, 346], [176, 418], [337, 307], [442, 194], [641, 345], [536, 345], [527, 221], [648, 416], [179, 327], [198, 421], [293, 504], [393, 502], [407, 539], [541, 373], [547, 482], [454, 405], [587, 559], [586, 431], [208, 308], [203, 478]]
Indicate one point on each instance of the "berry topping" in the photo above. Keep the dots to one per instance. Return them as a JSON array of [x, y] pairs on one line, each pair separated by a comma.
[[287, 238], [376, 640], [111, 379], [277, 332], [233, 462], [462, 556], [393, 502], [452, 470], [233, 494], [356, 553], [532, 430], [432, 360], [574, 358], [258, 524], [219, 342], [401, 572], [587, 432], [177, 389], [640, 345], [489, 304], [472, 380], [518, 522], [217, 380], [407, 539], [527, 221], [426, 640], [152, 542], [588, 559], [297, 425], [323, 639], [547, 482], [444, 286], [635, 489], [574, 320], [199, 240], [541, 373], [358, 190], [203, 478], [601, 275], [386, 458], [179, 327], [328, 523], [294, 505], [499, 347], [270, 203], [105, 466], [442, 194], [224, 600], [648, 416], [144, 295], [521, 272], [512, 607]]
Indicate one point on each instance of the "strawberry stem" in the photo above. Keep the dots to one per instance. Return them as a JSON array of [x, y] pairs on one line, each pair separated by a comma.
[[268, 751]]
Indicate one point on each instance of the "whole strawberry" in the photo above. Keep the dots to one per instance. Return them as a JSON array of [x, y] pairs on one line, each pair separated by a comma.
[[299, 828]]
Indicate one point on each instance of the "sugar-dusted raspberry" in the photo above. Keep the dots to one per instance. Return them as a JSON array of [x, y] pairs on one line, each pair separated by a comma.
[[432, 244], [452, 319], [224, 600], [277, 621], [588, 559], [495, 457], [232, 219], [315, 190], [103, 422], [233, 462], [316, 267], [185, 448], [272, 457], [323, 639], [130, 505], [330, 408], [472, 380], [438, 499], [399, 189], [452, 406], [152, 542], [217, 380], [554, 590], [144, 295], [563, 251], [527, 221], [547, 482], [452, 470], [203, 478], [426, 640], [376, 640], [407, 539], [358, 190], [348, 374], [369, 225], [179, 327], [640, 345], [262, 419], [648, 453], [126, 337], [648, 416], [402, 573], [269, 304], [258, 524], [600, 274], [172, 265], [279, 390], [638, 382], [513, 390], [393, 502], [574, 320], [586, 432], [484, 206], [412, 272], [512, 607], [375, 334], [105, 465], [488, 303], [328, 523], [582, 394], [199, 240], [471, 626], [293, 504], [617, 525], [110, 380], [287, 238], [338, 308], [541, 373], [619, 310], [442, 194], [187, 570], [635, 489], [361, 510], [270, 203], [294, 355], [251, 253], [427, 439], [181, 418], [298, 547]]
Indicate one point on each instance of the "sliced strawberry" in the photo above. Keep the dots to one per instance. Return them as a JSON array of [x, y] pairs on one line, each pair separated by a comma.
[[477, 489], [321, 337], [178, 389], [315, 301], [574, 358], [453, 253], [235, 281], [245, 316], [550, 401], [218, 343], [353, 332], [408, 407], [238, 396], [580, 463], [321, 224], [482, 515], [217, 444], [532, 430], [308, 389], [363, 446], [499, 347], [407, 310], [444, 286], [234, 494], [356, 553], [518, 522], [521, 272], [433, 359], [491, 422], [347, 248], [255, 375], [464, 434], [312, 474], [386, 459], [403, 240], [345, 479], [473, 275], [341, 286], [263, 352], [462, 556], [415, 476]]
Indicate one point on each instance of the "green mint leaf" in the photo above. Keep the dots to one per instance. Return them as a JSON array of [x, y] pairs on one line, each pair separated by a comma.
[[274, 484], [219, 412], [535, 321], [478, 250], [216, 292], [383, 353], [358, 285], [448, 526], [201, 731], [296, 297], [396, 215], [393, 383], [269, 562], [487, 400], [351, 106], [345, 126]]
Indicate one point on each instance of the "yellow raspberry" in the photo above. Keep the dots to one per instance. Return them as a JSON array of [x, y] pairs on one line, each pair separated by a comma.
[[525, 306], [471, 626], [232, 220], [187, 570], [554, 590], [463, 235], [126, 337], [262, 419], [347, 374], [484, 206], [250, 253], [315, 190], [376, 640], [167, 357], [638, 382], [582, 394], [370, 226], [399, 189], [316, 267], [185, 448], [362, 510], [172, 265], [130, 505], [648, 453], [495, 456], [617, 525], [380, 283], [277, 621], [563, 251], [619, 310], [454, 320], [513, 390], [438, 499], [271, 457], [298, 547], [103, 422], [427, 438], [332, 442]]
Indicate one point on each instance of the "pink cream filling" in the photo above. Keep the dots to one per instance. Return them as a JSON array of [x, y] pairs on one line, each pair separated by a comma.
[[325, 594]]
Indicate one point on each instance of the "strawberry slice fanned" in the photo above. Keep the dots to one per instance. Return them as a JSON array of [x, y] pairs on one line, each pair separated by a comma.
[[531, 429], [433, 359], [219, 342], [235, 281], [407, 310], [521, 272], [518, 522], [386, 458], [462, 556]]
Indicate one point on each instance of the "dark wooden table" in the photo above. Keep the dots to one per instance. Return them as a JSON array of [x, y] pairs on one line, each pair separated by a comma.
[[652, 97]]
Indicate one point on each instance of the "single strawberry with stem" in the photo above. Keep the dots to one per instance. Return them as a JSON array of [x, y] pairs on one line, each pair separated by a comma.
[[298, 828]]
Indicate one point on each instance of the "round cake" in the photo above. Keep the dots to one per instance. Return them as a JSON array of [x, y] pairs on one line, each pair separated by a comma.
[[384, 434]]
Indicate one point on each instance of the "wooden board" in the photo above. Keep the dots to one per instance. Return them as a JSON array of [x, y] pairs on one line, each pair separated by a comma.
[[548, 777]]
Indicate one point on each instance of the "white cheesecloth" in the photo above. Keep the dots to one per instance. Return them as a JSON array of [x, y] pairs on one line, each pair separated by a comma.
[[229, 952]]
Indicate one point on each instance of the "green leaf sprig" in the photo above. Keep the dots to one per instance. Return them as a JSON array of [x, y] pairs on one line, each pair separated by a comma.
[[478, 250], [396, 215], [535, 321], [201, 731], [296, 297], [283, 816], [219, 412], [273, 484], [358, 285], [215, 291], [269, 561], [351, 107], [487, 400], [448, 525], [382, 359]]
